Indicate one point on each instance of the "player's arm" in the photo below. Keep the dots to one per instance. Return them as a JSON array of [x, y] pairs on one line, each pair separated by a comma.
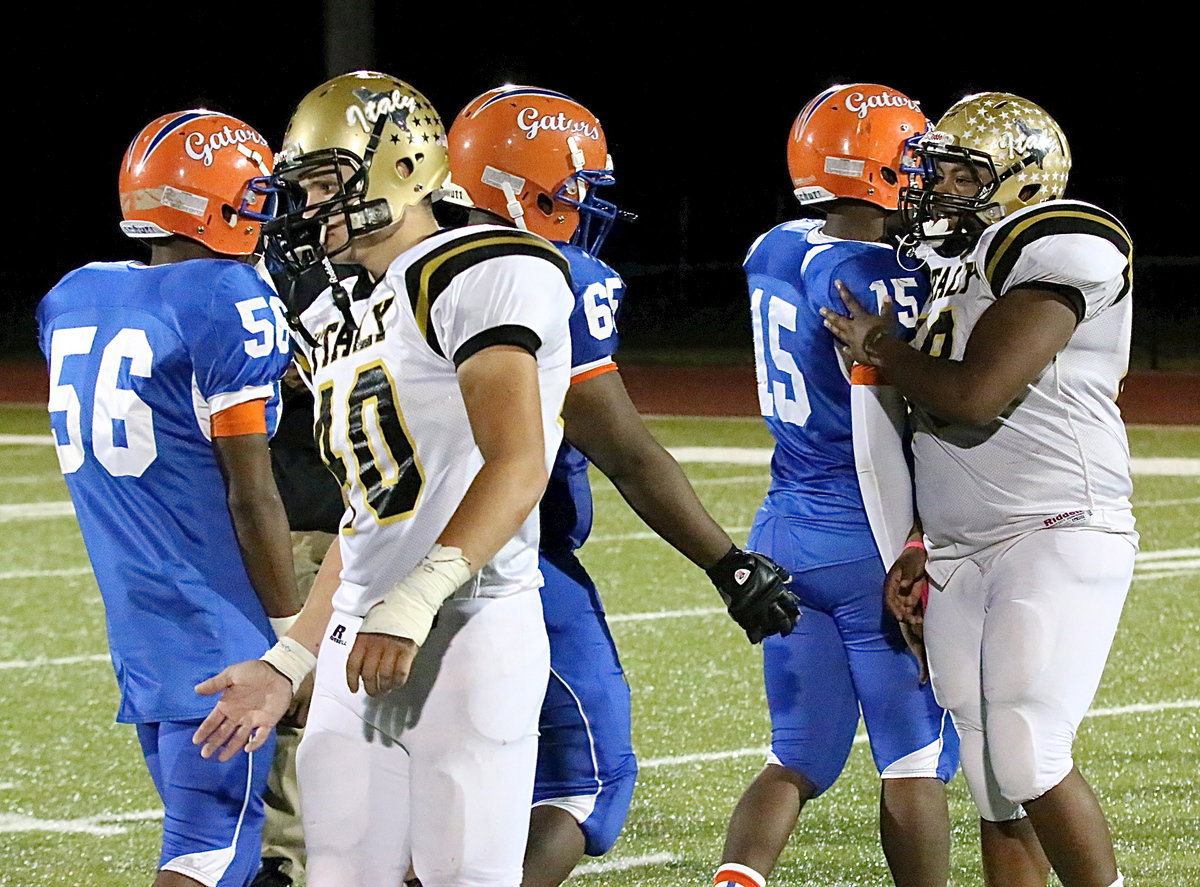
[[239, 438], [1013, 341], [601, 420], [499, 386], [255, 694]]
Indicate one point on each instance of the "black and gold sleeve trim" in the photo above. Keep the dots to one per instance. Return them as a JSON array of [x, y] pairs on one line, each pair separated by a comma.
[[1055, 218], [508, 334], [429, 276]]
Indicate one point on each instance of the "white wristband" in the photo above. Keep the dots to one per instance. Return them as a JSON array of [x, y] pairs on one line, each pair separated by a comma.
[[291, 659], [407, 610], [281, 625]]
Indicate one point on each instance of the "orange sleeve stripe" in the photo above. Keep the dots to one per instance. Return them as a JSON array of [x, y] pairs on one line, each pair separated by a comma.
[[243, 418], [865, 375], [595, 371]]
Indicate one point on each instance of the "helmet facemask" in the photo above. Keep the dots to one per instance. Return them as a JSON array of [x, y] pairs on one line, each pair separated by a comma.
[[934, 215], [596, 215], [1017, 152], [297, 238]]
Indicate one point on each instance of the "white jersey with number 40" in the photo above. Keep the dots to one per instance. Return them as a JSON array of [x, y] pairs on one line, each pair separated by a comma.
[[1058, 455], [390, 420]]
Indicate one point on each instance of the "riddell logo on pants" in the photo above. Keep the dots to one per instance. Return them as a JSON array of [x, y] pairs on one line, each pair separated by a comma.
[[1067, 517], [339, 635]]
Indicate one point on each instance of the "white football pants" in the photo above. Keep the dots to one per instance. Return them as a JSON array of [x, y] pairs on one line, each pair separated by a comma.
[[439, 771], [1017, 636]]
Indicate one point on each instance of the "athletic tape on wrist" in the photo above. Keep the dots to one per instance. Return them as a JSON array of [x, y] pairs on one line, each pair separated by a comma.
[[291, 659], [407, 610], [281, 625]]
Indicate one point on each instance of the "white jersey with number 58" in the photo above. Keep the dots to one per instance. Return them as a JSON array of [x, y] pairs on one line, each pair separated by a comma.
[[390, 419], [1058, 455]]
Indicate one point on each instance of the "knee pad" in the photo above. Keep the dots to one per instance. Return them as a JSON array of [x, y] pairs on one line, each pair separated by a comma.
[[989, 800], [1026, 763]]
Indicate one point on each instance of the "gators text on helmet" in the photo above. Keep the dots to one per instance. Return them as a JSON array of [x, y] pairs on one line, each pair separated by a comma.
[[197, 174], [538, 158]]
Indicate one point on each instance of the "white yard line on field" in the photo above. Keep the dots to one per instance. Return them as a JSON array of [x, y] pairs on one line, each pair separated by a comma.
[[86, 825], [620, 864], [65, 660], [36, 510], [109, 824], [758, 750], [42, 574], [27, 440]]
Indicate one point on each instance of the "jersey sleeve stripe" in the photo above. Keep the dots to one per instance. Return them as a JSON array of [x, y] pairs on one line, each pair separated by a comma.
[[591, 370], [249, 417], [1069, 294], [429, 276], [507, 334], [1008, 243], [861, 374]]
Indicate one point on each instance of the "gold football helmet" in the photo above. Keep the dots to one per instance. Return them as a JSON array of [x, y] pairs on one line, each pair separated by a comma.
[[1016, 151], [382, 140]]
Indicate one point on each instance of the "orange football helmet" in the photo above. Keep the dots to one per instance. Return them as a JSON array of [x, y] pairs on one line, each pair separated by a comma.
[[849, 142], [196, 174], [538, 158]]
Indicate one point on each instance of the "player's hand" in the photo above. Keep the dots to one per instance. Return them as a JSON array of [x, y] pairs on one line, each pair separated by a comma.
[[861, 330], [914, 637], [254, 697], [906, 587], [381, 661], [297, 713], [754, 589]]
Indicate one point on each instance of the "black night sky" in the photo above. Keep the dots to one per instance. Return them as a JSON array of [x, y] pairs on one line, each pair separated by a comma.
[[696, 112]]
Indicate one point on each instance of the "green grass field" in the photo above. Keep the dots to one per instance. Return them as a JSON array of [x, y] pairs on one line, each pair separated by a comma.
[[77, 807]]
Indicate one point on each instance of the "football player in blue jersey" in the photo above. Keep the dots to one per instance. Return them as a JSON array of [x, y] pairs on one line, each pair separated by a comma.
[[839, 508], [538, 159], [163, 390]]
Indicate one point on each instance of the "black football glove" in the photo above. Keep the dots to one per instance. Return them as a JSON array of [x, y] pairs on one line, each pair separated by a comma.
[[754, 589]]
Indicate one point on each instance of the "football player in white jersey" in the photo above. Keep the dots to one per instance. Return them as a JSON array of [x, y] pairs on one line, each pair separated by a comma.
[[1022, 470], [438, 392]]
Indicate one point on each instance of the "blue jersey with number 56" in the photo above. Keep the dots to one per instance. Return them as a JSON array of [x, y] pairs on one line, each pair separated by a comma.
[[140, 358], [803, 382], [566, 510]]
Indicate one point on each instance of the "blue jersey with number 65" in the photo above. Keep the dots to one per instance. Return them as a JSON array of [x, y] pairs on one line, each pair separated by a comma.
[[140, 358], [566, 510], [803, 381]]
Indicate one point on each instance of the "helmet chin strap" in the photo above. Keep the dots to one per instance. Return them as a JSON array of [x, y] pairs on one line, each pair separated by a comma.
[[580, 163], [515, 210]]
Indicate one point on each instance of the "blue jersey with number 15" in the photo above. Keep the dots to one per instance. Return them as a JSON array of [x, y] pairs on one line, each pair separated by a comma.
[[140, 357], [566, 510], [803, 382]]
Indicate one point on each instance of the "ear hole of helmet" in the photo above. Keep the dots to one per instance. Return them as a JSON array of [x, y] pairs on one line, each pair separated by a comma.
[[405, 167], [1027, 193], [545, 204], [229, 214], [888, 175]]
